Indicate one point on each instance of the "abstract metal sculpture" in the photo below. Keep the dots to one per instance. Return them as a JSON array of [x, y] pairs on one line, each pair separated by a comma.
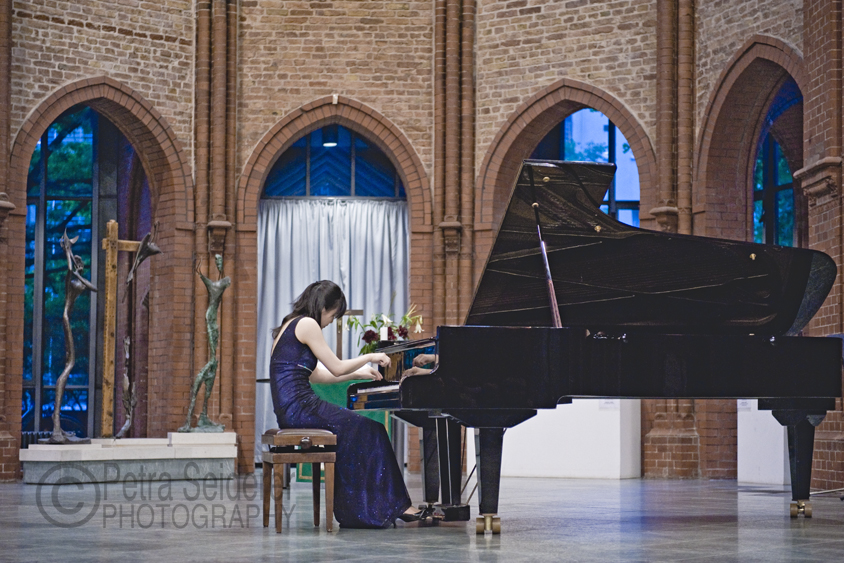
[[74, 286], [209, 372], [146, 249]]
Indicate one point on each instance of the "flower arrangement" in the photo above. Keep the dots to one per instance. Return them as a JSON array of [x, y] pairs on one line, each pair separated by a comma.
[[381, 327]]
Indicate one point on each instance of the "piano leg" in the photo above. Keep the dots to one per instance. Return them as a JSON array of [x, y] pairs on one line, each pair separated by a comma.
[[448, 439], [800, 417], [430, 464], [489, 445], [451, 470], [801, 443]]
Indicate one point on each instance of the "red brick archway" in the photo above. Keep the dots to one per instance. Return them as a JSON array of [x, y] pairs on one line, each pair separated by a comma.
[[307, 118], [731, 128], [528, 125], [350, 114], [171, 187], [730, 132], [153, 139]]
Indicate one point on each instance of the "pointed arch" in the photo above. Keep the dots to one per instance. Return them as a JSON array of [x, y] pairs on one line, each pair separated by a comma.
[[350, 114], [152, 137], [532, 121], [171, 189], [309, 117], [732, 125]]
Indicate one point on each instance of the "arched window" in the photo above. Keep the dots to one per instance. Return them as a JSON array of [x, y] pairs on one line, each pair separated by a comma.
[[80, 176], [333, 161], [773, 196], [589, 136]]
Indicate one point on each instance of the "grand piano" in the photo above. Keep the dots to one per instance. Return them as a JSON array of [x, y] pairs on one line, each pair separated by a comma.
[[573, 304]]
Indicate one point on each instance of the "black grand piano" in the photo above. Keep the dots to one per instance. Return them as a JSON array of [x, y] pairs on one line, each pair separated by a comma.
[[573, 304]]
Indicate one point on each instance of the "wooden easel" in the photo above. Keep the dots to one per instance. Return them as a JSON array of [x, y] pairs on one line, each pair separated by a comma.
[[112, 246]]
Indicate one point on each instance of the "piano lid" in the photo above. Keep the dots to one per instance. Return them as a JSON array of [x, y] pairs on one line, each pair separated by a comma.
[[612, 277]]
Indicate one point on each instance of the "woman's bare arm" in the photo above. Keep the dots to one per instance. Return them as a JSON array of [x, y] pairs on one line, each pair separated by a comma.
[[309, 333], [322, 375]]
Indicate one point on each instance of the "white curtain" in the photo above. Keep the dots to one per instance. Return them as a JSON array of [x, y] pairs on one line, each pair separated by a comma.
[[361, 245]]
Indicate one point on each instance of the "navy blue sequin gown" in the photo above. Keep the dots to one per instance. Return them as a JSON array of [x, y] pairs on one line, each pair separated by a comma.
[[369, 487]]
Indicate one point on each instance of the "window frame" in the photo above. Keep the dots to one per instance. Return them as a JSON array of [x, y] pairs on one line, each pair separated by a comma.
[[770, 188], [36, 384], [611, 205], [397, 181]]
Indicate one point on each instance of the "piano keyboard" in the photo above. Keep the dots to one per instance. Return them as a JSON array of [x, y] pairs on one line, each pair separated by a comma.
[[386, 394], [380, 397]]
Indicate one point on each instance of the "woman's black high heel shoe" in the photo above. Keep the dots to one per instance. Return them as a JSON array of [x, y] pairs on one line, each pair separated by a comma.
[[420, 516]]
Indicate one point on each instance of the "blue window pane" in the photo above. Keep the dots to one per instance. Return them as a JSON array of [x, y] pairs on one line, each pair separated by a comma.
[[588, 140], [73, 412], [758, 225], [772, 179], [288, 175], [28, 410], [785, 218], [585, 136], [75, 216], [331, 167], [309, 167], [375, 175], [629, 217], [783, 171], [70, 165], [29, 289], [33, 179], [627, 174]]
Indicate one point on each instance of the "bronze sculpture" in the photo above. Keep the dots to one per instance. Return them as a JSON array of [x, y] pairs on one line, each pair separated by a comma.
[[74, 286], [146, 249], [209, 372]]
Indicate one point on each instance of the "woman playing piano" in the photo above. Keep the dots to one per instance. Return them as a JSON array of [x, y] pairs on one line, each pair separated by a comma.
[[370, 489]]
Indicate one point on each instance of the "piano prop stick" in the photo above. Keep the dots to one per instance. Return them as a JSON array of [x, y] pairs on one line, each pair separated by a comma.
[[647, 315], [552, 295]]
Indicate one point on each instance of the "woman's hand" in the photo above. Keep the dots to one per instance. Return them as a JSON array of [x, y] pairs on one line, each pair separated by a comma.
[[415, 370], [423, 359], [381, 359], [369, 373]]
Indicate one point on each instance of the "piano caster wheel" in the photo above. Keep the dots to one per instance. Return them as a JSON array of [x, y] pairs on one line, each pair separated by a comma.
[[800, 507], [488, 523]]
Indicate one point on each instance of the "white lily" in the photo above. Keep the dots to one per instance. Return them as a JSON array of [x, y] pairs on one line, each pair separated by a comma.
[[387, 321], [418, 327]]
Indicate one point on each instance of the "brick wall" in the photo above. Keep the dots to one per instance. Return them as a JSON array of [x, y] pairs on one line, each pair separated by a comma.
[[723, 26], [148, 46], [379, 53], [525, 45]]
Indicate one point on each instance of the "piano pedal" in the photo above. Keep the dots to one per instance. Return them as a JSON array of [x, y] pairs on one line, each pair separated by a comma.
[[488, 523], [801, 507]]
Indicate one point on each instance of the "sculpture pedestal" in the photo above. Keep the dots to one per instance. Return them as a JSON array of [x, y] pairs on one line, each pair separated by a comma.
[[190, 456]]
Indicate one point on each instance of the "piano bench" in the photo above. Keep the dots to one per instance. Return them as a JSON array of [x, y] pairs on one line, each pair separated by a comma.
[[298, 445]]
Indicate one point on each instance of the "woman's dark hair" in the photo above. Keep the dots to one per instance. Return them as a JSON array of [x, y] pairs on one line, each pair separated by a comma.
[[318, 297]]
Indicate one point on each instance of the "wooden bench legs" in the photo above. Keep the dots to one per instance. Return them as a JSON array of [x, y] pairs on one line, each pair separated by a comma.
[[272, 481]]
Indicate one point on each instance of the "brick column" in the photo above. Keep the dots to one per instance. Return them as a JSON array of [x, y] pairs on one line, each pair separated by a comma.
[[820, 179], [671, 444], [10, 418], [202, 175], [666, 109]]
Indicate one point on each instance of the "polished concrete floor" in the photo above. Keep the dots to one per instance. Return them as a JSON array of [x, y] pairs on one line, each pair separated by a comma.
[[542, 520]]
